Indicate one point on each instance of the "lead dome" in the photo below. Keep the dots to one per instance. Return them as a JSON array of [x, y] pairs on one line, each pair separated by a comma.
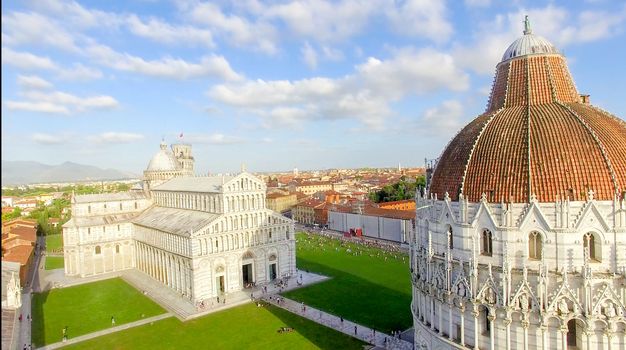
[[163, 160]]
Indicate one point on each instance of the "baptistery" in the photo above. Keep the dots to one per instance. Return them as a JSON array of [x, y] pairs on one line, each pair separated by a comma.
[[520, 239]]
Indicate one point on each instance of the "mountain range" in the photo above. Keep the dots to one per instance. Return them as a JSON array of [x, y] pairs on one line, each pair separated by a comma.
[[30, 172]]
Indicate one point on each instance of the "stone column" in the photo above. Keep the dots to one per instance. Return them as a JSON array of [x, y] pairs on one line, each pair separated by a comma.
[[544, 335], [525, 325], [564, 337], [507, 323], [492, 332], [609, 338], [432, 311], [475, 313], [440, 318], [450, 320], [462, 309]]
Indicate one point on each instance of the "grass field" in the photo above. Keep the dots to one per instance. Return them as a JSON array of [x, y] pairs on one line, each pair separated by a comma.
[[365, 289], [54, 243], [54, 262], [87, 308], [243, 327]]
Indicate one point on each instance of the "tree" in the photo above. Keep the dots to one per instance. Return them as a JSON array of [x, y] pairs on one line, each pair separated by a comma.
[[16, 213]]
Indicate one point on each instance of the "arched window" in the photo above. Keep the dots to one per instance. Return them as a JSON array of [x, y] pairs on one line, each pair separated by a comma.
[[450, 237], [120, 206], [117, 249], [592, 246], [98, 250], [135, 205], [535, 245], [486, 244], [89, 209]]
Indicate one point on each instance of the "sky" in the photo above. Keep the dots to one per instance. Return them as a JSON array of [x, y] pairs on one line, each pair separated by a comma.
[[308, 84]]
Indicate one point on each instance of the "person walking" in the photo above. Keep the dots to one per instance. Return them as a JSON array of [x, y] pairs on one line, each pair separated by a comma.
[[112, 321], [354, 329]]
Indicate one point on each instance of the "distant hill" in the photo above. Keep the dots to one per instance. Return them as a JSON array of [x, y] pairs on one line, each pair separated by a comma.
[[28, 172]]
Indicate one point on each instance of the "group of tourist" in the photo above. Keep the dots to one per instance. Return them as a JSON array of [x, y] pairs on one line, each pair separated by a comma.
[[353, 246]]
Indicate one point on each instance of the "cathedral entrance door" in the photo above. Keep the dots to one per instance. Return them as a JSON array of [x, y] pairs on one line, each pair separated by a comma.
[[246, 273], [220, 284], [273, 271]]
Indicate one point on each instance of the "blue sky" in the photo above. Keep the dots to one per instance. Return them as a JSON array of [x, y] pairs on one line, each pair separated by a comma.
[[276, 85]]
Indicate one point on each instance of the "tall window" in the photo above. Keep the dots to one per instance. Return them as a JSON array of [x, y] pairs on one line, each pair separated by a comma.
[[120, 206], [486, 243], [592, 247], [450, 237], [89, 209], [117, 249], [535, 245], [98, 249]]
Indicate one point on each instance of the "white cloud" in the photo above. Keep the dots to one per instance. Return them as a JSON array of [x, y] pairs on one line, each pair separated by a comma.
[[79, 72], [442, 119], [324, 21], [213, 139], [423, 18], [38, 97], [20, 28], [48, 139], [42, 107], [365, 95], [29, 82], [75, 103], [26, 60], [168, 67], [115, 138], [163, 32], [477, 3], [309, 55], [237, 29], [556, 24]]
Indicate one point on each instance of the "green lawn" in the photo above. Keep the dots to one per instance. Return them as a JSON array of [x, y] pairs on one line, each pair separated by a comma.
[[54, 243], [364, 289], [243, 327], [54, 262], [87, 308]]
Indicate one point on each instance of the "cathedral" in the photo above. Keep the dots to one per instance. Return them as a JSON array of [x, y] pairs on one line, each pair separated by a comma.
[[200, 236], [520, 236]]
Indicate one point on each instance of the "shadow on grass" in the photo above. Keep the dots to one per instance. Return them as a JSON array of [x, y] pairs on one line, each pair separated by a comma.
[[38, 333], [356, 299], [321, 336]]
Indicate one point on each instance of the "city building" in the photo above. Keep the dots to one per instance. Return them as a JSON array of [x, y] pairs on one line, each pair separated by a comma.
[[310, 187], [407, 204], [281, 202], [521, 236], [304, 212], [19, 237], [199, 236], [388, 224]]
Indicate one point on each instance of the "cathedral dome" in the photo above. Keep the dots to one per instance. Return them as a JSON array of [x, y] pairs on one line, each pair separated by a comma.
[[538, 137], [163, 160]]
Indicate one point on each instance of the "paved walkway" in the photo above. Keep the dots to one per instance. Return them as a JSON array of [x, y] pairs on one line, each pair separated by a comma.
[[347, 327], [106, 331], [185, 310]]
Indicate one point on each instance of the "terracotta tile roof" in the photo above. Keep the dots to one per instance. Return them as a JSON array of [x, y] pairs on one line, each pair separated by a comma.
[[311, 203], [19, 254], [536, 137], [27, 233]]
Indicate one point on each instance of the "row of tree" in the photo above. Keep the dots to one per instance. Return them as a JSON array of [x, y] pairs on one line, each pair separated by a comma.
[[401, 190]]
